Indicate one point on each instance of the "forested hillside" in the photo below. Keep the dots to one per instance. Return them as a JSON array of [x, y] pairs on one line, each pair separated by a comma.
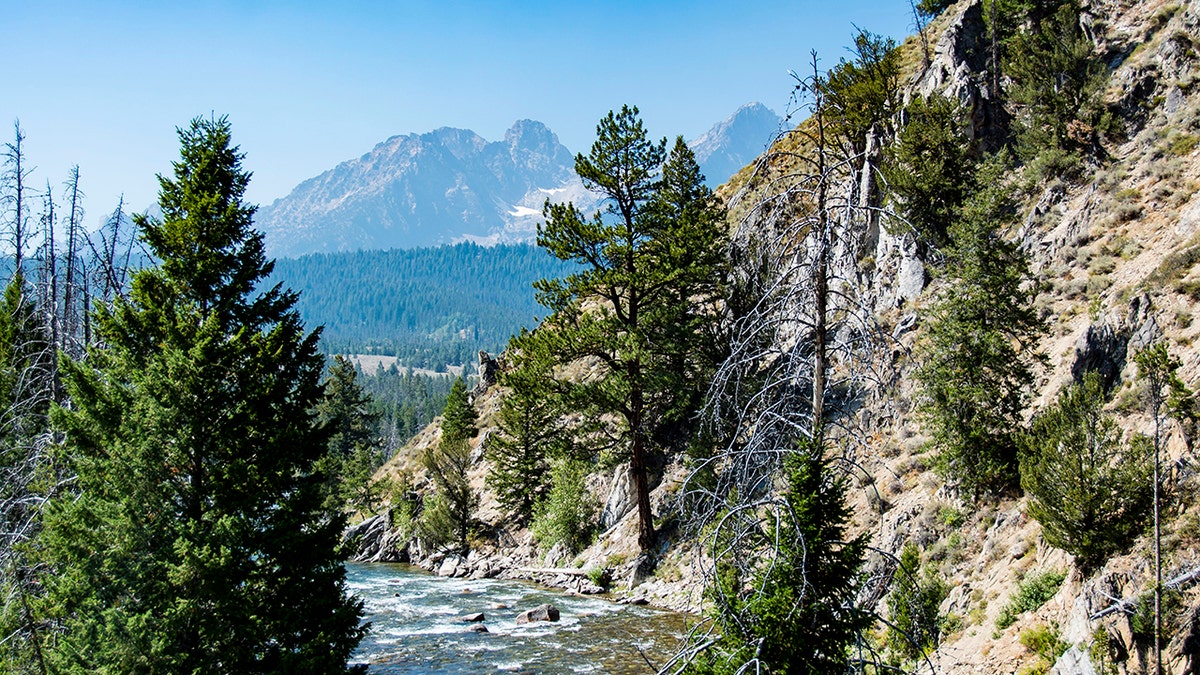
[[429, 306], [936, 412]]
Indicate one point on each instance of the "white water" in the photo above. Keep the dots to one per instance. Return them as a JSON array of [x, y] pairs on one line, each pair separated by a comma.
[[416, 627]]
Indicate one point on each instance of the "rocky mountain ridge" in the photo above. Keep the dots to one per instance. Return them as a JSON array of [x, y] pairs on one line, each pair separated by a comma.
[[451, 185]]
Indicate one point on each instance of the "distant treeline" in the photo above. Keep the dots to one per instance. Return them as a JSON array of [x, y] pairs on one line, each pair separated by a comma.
[[428, 306], [405, 401]]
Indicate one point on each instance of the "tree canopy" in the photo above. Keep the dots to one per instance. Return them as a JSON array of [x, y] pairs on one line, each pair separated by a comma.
[[198, 541], [651, 264]]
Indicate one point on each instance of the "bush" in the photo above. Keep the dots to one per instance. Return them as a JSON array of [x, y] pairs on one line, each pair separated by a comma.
[[1031, 593], [567, 515], [1090, 492], [913, 606], [929, 168], [1043, 641]]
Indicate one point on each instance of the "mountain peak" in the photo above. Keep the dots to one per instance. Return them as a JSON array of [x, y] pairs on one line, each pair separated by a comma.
[[735, 141]]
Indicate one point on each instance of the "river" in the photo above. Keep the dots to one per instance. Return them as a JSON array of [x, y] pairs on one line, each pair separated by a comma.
[[417, 627]]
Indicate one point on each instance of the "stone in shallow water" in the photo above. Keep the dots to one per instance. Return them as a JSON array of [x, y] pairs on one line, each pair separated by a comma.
[[477, 628], [472, 618], [539, 613]]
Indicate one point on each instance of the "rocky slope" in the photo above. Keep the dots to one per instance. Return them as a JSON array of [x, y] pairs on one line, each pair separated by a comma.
[[1116, 254]]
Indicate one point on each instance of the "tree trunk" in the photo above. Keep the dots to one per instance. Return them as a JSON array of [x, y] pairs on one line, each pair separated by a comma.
[[637, 468]]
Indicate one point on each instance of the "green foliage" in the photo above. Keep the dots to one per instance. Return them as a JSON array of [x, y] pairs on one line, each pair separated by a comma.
[[651, 267], [913, 606], [1045, 642], [933, 7], [1031, 593], [459, 417], [975, 361], [1090, 493], [26, 475], [796, 613], [862, 93], [530, 430], [406, 401], [1141, 621], [354, 445], [346, 410], [567, 515], [198, 541], [930, 167], [1057, 83], [447, 515], [429, 306]]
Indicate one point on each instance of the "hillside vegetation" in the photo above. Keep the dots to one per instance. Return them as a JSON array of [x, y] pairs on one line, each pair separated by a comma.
[[961, 294]]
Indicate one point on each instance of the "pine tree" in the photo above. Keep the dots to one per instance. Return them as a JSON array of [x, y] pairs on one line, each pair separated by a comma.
[[354, 446], [449, 513], [459, 417], [650, 263], [1089, 491], [913, 606], [198, 541], [26, 476], [929, 168], [796, 614], [976, 361], [346, 410], [530, 430]]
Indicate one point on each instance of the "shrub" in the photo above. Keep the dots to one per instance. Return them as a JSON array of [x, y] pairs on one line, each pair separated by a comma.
[[567, 515], [913, 606], [1031, 593], [1090, 491], [1043, 641]]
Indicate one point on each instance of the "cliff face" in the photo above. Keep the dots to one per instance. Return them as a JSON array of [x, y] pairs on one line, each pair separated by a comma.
[[1115, 252]]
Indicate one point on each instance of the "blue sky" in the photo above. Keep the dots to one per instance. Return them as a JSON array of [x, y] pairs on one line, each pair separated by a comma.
[[309, 84]]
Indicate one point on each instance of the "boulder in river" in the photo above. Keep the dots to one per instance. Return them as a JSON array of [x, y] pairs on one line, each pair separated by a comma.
[[472, 618], [539, 613], [477, 628]]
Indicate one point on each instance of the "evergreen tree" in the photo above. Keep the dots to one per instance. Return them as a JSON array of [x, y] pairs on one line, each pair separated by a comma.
[[530, 430], [1090, 493], [459, 417], [26, 476], [796, 614], [198, 542], [354, 445], [447, 517], [913, 606], [346, 410], [976, 358], [449, 514], [1057, 80], [929, 168], [651, 261]]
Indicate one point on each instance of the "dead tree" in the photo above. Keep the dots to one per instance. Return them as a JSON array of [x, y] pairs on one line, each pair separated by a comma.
[[803, 351], [28, 474], [72, 309], [16, 174], [112, 248]]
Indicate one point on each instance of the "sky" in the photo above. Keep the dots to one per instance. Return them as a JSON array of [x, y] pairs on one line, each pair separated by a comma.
[[105, 83]]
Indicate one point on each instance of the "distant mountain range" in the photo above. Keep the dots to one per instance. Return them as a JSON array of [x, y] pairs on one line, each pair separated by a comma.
[[452, 185]]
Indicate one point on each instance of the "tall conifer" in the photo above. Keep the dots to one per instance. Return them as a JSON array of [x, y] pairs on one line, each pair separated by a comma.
[[198, 542]]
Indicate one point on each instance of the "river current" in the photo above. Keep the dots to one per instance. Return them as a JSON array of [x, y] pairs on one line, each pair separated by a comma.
[[417, 627]]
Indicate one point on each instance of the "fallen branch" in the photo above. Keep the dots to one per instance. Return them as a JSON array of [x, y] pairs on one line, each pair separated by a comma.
[[1185, 579]]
